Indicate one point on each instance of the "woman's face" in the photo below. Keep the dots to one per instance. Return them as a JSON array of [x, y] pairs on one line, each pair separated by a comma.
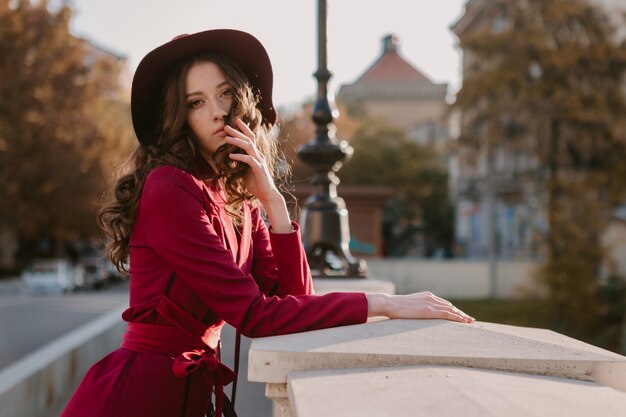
[[209, 97]]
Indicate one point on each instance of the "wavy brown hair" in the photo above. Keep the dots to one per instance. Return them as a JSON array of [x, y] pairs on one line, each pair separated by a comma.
[[173, 143]]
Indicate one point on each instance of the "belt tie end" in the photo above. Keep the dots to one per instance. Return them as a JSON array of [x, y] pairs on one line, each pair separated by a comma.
[[188, 362]]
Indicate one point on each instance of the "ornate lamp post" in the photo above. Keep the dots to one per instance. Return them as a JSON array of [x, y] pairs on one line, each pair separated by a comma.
[[324, 217]]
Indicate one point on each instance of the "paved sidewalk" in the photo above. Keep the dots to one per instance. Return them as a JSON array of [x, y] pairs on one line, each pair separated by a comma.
[[11, 286], [251, 400]]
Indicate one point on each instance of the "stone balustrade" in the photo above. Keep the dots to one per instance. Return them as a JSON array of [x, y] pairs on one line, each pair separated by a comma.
[[437, 368], [34, 384]]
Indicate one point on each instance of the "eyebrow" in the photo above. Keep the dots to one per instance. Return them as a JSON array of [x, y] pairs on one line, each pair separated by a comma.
[[195, 93]]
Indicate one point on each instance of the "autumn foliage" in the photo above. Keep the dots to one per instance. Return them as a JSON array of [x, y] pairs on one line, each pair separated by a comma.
[[549, 81], [63, 123]]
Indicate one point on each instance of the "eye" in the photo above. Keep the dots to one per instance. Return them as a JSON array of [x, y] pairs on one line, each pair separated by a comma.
[[195, 104], [227, 93]]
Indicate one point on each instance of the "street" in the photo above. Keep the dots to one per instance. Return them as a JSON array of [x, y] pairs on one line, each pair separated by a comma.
[[28, 322]]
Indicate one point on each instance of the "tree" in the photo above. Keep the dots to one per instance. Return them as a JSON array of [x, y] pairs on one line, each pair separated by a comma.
[[62, 121], [385, 156], [549, 82]]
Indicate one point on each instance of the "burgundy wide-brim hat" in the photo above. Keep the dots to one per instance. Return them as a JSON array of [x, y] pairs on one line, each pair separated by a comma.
[[240, 47]]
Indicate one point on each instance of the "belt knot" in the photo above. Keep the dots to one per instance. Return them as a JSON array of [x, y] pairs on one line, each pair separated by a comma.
[[219, 374], [189, 362]]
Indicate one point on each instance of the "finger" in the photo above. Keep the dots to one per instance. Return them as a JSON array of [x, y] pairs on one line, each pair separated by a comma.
[[467, 316], [449, 306], [452, 309], [246, 145], [452, 315], [244, 128], [237, 133], [244, 131], [247, 159], [239, 142], [441, 300], [458, 311], [430, 295]]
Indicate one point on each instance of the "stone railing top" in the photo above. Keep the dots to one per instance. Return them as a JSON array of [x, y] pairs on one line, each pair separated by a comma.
[[389, 343]]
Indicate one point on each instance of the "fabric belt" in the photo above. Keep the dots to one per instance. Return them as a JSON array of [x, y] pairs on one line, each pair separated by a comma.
[[189, 355]]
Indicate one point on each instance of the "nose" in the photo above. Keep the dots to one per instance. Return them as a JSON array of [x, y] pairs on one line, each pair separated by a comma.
[[219, 114], [219, 111]]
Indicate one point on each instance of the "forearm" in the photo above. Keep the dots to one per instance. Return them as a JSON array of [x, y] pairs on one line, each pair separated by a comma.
[[282, 257], [278, 215], [377, 305]]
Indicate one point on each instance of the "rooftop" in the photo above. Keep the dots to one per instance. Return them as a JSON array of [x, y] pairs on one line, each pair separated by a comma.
[[391, 65]]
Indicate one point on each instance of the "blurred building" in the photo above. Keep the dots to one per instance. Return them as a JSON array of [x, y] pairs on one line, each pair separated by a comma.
[[514, 176], [392, 89]]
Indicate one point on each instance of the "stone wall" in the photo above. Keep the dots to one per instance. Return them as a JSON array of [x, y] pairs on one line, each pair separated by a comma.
[[455, 279]]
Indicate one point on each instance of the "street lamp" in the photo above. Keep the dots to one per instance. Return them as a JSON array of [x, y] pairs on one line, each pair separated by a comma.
[[324, 217]]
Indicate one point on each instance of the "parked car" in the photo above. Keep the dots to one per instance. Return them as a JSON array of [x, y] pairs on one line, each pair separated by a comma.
[[96, 273], [51, 275]]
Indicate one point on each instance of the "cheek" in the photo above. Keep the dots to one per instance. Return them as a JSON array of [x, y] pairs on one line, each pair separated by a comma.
[[193, 122]]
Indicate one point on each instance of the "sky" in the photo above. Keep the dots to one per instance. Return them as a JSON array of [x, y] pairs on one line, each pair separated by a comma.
[[288, 30]]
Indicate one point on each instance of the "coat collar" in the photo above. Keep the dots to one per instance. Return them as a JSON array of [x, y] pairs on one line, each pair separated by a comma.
[[203, 170], [239, 248]]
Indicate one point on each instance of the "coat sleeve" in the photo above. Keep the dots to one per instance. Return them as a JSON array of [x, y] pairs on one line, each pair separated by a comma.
[[179, 229], [279, 262]]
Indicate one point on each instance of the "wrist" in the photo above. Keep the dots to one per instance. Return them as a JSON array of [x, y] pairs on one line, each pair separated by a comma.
[[278, 214], [378, 305], [275, 198]]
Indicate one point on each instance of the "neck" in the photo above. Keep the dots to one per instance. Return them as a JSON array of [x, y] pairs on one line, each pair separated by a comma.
[[209, 158]]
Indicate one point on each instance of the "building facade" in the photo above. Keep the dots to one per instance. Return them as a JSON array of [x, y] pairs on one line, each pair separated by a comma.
[[501, 193], [393, 90]]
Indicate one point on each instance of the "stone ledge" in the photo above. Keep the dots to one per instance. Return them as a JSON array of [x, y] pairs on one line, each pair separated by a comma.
[[307, 373], [446, 392], [435, 342]]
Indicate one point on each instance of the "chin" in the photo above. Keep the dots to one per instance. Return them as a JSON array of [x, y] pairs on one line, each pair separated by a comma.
[[214, 148], [220, 152]]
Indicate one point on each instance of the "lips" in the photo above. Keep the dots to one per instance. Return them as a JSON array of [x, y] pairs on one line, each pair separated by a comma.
[[220, 132]]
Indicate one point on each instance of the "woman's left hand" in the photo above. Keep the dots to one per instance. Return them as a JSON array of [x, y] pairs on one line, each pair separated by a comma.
[[258, 180]]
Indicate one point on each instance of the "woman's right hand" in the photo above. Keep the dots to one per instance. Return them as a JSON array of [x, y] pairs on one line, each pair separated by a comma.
[[421, 305]]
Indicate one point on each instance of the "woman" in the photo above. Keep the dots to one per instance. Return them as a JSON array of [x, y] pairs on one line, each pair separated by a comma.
[[188, 216]]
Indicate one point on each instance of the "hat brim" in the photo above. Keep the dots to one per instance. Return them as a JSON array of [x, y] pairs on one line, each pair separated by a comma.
[[240, 47]]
